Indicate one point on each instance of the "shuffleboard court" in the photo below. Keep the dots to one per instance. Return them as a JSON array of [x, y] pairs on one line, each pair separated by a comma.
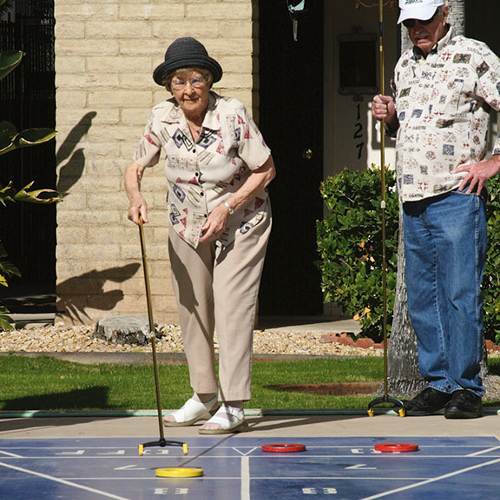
[[237, 468]]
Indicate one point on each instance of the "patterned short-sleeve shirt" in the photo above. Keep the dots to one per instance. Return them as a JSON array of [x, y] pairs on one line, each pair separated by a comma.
[[443, 104], [203, 174]]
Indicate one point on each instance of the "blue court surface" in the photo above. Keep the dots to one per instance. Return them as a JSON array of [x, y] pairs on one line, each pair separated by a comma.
[[236, 468]]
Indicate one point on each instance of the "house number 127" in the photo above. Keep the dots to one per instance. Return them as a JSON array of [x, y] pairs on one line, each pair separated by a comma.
[[358, 132]]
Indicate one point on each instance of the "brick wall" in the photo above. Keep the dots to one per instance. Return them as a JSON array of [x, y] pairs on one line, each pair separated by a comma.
[[106, 51]]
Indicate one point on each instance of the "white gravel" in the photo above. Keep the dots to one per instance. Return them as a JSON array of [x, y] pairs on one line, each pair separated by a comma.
[[64, 338]]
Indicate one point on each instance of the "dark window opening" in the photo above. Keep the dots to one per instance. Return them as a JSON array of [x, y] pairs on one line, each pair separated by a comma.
[[27, 99]]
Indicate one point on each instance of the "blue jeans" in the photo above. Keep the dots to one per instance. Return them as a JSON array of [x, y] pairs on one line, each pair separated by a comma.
[[445, 250]]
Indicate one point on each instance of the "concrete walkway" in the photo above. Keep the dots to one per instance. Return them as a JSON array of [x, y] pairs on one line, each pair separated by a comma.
[[308, 325], [296, 324], [300, 426]]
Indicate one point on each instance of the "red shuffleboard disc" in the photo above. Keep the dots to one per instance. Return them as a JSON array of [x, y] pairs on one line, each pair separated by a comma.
[[395, 447], [283, 447]]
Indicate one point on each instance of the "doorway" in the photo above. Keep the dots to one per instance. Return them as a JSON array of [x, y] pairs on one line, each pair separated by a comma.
[[291, 120], [27, 99]]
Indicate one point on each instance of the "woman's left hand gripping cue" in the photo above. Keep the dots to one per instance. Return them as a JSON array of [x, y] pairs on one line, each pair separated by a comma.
[[215, 225]]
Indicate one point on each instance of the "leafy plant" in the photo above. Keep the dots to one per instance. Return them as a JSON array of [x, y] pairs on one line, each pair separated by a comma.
[[4, 4], [10, 140], [349, 242], [491, 281]]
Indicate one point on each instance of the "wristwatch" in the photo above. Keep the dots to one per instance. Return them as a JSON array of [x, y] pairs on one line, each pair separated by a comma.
[[229, 208]]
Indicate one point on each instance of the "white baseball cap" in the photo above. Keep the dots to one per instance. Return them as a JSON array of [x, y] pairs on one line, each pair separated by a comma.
[[418, 9]]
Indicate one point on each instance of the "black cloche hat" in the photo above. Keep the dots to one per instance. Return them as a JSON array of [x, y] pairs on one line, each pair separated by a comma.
[[186, 52]]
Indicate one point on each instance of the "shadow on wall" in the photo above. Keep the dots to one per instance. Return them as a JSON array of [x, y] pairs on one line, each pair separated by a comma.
[[72, 170], [77, 294]]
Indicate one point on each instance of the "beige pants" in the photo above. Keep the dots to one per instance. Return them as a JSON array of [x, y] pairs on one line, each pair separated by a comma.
[[218, 289]]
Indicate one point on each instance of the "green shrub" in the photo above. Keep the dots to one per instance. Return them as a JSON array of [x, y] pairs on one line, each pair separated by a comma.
[[491, 281], [349, 244]]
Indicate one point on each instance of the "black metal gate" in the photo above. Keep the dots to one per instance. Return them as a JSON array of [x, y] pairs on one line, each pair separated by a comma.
[[27, 99]]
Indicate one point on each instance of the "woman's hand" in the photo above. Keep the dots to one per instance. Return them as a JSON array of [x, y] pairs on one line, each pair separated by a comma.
[[138, 209], [215, 225], [255, 183]]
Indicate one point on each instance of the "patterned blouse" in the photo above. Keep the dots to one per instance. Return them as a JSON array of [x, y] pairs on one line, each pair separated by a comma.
[[203, 174], [443, 104]]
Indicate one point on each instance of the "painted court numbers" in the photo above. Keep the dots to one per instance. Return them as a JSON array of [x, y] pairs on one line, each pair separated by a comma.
[[129, 467], [359, 467], [171, 491], [319, 491], [111, 453], [361, 451], [159, 451]]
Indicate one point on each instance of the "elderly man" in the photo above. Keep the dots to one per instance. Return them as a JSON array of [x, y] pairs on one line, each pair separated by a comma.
[[444, 88]]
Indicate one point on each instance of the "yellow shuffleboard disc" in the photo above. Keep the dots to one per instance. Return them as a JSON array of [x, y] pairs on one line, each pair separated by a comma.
[[179, 472]]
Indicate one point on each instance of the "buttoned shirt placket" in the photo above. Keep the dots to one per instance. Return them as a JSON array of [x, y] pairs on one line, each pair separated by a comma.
[[198, 214]]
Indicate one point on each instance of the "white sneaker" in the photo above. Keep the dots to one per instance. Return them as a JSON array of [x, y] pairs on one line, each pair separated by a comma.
[[192, 411]]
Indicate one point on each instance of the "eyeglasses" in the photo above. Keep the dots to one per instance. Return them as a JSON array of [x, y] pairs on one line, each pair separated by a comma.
[[411, 23], [196, 83]]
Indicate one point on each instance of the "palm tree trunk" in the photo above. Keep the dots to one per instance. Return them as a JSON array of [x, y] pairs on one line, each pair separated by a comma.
[[403, 374]]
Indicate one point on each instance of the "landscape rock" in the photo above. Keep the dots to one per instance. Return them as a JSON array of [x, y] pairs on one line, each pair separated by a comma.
[[123, 330], [345, 341], [364, 342]]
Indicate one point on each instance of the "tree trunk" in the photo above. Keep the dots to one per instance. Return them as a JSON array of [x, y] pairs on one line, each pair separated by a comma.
[[403, 375], [457, 16]]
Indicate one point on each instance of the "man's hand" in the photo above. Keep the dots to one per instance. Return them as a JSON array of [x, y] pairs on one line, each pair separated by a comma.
[[383, 108], [215, 225], [478, 174]]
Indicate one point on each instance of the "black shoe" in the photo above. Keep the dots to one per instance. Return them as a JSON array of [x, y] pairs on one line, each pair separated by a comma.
[[464, 404], [427, 402]]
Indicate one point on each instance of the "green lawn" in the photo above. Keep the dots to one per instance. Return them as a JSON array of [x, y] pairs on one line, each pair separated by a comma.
[[47, 384]]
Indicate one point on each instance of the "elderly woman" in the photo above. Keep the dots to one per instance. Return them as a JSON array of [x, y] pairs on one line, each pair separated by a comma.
[[217, 168]]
